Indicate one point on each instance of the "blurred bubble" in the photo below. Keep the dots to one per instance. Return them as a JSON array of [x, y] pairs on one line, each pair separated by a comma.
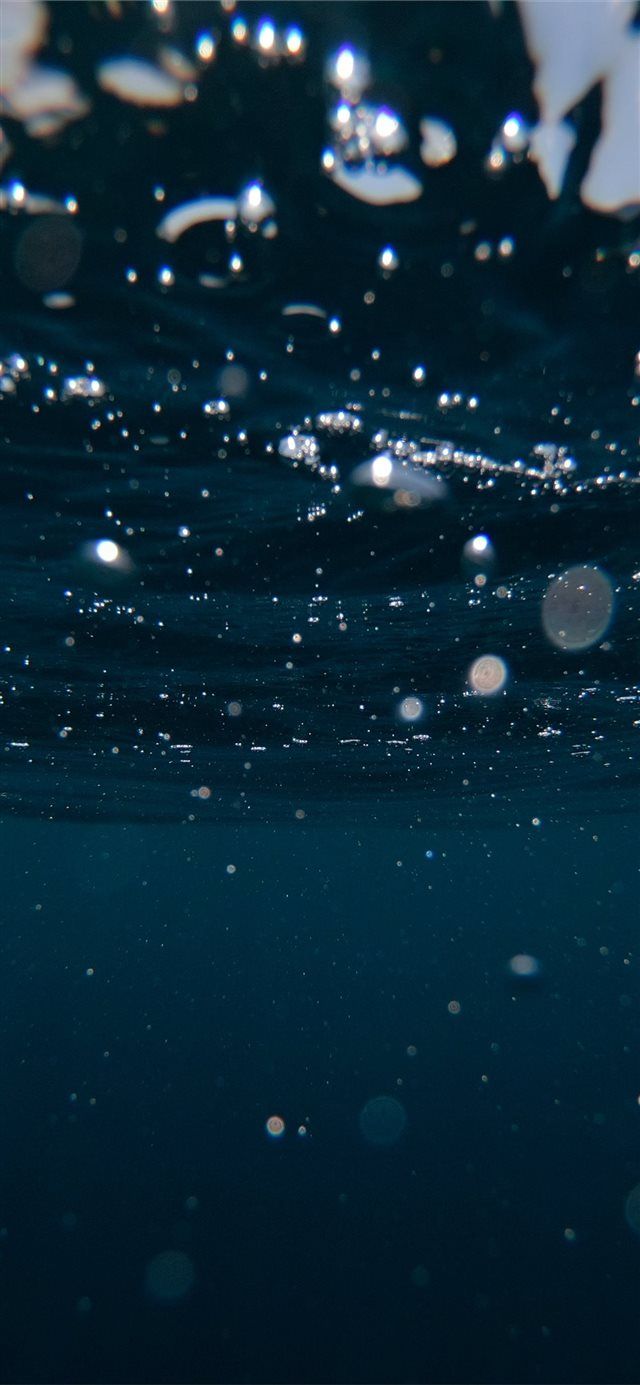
[[169, 1276], [524, 967], [488, 675], [266, 36], [382, 1120], [48, 253], [632, 1209], [233, 381], [514, 133], [478, 554], [388, 259], [254, 205], [577, 607], [275, 1127], [438, 142], [411, 709]]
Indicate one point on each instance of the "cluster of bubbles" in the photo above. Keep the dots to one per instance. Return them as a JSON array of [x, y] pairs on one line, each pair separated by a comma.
[[272, 43], [366, 137]]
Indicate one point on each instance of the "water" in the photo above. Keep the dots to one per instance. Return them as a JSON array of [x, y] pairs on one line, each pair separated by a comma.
[[319, 697]]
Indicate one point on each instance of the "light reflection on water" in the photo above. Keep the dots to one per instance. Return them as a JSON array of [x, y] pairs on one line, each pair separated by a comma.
[[266, 389]]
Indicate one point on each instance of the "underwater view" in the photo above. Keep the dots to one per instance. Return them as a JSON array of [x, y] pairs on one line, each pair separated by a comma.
[[320, 691]]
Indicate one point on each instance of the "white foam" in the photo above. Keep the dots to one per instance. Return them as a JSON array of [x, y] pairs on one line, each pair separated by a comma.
[[574, 44], [612, 180]]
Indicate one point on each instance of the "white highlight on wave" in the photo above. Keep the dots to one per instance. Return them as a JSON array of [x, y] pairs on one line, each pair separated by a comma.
[[576, 45]]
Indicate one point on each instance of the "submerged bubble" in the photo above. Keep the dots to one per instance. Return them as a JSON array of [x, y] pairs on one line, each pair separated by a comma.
[[632, 1209], [254, 205], [275, 1127], [382, 1120], [478, 554], [48, 253], [487, 675], [169, 1276], [409, 486], [514, 133], [577, 608], [524, 967], [411, 709]]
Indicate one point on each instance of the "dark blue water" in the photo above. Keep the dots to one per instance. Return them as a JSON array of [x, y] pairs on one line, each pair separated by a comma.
[[270, 841]]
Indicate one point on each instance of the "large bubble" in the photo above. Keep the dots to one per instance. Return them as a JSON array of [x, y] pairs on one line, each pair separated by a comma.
[[577, 607], [169, 1276], [382, 1120]]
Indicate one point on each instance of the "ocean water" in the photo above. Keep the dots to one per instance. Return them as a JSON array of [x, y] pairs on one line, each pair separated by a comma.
[[320, 702]]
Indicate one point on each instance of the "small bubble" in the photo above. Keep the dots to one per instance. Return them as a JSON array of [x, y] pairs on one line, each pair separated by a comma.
[[388, 259]]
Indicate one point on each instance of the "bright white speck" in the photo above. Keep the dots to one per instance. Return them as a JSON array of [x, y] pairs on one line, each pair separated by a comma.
[[205, 48], [515, 134], [266, 36], [294, 41], [345, 63], [254, 204], [381, 470], [388, 259], [107, 551], [239, 31], [487, 675]]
